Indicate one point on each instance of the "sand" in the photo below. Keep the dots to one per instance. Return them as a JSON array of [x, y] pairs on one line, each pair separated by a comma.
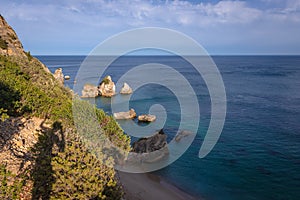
[[150, 187]]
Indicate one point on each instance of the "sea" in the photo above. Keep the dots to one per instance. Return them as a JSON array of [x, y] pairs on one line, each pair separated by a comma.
[[258, 153]]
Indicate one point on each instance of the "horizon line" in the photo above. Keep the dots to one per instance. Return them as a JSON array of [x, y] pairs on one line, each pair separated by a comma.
[[171, 55]]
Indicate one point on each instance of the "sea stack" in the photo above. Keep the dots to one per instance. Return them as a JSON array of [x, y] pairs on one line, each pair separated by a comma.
[[126, 89], [107, 87], [59, 76]]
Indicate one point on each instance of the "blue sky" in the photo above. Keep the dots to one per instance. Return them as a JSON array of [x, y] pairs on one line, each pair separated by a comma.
[[75, 27]]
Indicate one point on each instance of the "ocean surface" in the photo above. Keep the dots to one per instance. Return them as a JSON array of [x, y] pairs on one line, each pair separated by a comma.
[[258, 153]]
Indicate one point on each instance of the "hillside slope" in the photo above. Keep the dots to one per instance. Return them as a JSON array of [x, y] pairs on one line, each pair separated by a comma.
[[41, 155]]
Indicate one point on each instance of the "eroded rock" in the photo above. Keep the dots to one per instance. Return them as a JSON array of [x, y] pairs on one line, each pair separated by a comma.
[[59, 76], [89, 91], [126, 89], [125, 115], [107, 87], [147, 118], [150, 144]]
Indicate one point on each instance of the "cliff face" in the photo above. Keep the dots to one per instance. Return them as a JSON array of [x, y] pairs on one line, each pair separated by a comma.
[[9, 41]]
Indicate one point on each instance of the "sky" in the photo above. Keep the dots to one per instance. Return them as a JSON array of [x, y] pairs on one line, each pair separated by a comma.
[[75, 27]]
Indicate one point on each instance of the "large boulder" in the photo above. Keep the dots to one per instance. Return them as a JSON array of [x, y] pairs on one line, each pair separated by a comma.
[[126, 89], [146, 118], [125, 115], [107, 87], [89, 91], [150, 144], [59, 76]]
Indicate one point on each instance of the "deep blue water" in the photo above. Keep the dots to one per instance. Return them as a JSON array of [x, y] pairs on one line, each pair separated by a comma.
[[258, 153]]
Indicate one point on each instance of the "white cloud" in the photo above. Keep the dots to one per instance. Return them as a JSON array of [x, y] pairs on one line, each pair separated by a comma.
[[234, 22]]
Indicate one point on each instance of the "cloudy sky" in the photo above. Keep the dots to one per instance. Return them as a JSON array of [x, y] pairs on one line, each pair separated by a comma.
[[68, 27]]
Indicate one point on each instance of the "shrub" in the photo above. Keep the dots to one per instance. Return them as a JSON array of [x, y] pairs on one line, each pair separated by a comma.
[[27, 89], [29, 56], [10, 186], [105, 80]]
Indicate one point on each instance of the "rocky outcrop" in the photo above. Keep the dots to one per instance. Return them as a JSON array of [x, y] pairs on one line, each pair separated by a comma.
[[89, 91], [9, 41], [10, 45], [59, 76], [149, 150], [107, 87], [150, 144], [125, 115], [126, 89], [146, 118], [18, 135]]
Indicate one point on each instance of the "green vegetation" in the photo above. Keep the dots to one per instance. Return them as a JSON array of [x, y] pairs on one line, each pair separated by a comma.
[[3, 44], [9, 189], [28, 91], [105, 80], [65, 165], [29, 56], [82, 175]]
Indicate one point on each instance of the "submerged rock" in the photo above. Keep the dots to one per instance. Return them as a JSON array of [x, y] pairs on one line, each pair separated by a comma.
[[59, 76], [107, 87], [182, 134], [146, 118], [126, 89], [89, 91], [125, 115]]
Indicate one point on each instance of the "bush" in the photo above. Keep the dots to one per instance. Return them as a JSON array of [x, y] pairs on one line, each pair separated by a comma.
[[105, 80], [10, 186], [27, 89], [29, 56], [80, 175]]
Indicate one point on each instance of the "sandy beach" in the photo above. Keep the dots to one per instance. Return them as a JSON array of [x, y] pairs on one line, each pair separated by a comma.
[[150, 187]]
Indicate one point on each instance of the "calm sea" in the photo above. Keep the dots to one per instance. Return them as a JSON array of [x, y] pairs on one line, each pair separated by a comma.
[[258, 153]]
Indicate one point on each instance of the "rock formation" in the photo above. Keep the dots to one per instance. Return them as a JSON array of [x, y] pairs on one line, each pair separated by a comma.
[[9, 41], [146, 118], [10, 45], [150, 144], [125, 115], [107, 87], [89, 91], [59, 76], [126, 89]]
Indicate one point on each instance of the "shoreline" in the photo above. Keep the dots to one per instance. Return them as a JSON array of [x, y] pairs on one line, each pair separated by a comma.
[[147, 186]]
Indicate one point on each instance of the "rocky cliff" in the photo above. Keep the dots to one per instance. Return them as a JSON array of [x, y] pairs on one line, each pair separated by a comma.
[[9, 41], [41, 156]]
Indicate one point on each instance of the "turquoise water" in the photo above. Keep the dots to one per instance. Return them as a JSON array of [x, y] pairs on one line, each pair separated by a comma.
[[258, 153]]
